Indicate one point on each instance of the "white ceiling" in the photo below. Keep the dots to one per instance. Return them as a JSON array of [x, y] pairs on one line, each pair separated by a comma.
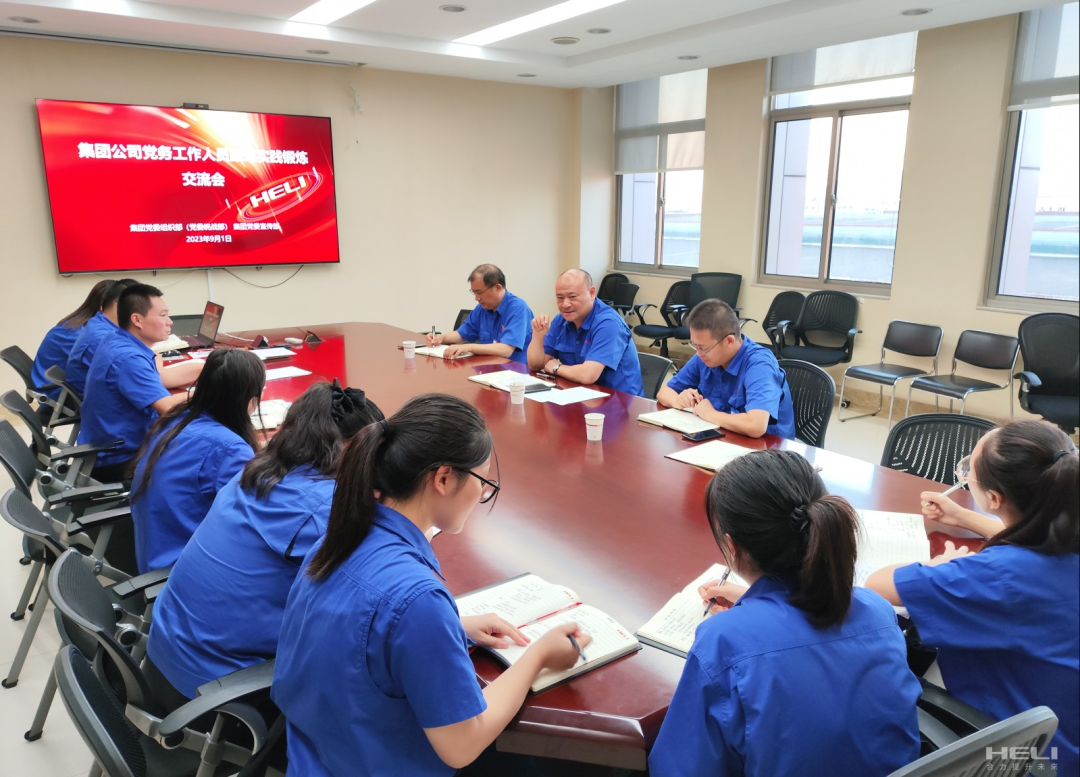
[[647, 36]]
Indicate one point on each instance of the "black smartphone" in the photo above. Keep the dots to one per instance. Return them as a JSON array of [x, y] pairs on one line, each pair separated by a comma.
[[532, 388], [708, 434]]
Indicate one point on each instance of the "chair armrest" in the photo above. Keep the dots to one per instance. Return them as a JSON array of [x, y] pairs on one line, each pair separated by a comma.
[[81, 451], [639, 310], [105, 517], [85, 493], [170, 732], [934, 731], [217, 694], [958, 716], [247, 680], [140, 583], [1028, 380], [748, 320]]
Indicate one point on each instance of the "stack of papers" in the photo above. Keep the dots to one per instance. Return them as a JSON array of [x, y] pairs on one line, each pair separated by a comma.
[[286, 372], [273, 353], [711, 455], [271, 414], [566, 396]]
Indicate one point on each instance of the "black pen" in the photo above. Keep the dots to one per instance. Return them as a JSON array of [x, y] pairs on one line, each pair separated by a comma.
[[577, 647], [712, 601]]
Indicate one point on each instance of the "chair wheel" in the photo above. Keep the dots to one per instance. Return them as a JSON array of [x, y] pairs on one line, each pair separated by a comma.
[[7, 684], [15, 617], [845, 404], [32, 737], [25, 561]]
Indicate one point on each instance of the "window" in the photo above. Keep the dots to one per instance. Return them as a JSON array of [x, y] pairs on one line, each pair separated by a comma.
[[1036, 259], [836, 164], [659, 156]]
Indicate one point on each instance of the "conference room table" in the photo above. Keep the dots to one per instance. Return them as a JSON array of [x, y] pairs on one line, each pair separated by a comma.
[[614, 520]]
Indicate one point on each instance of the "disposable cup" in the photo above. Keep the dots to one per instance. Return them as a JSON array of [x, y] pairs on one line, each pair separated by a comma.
[[409, 346], [517, 392], [594, 426]]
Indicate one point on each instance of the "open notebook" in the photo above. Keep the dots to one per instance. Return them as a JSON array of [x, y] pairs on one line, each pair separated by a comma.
[[438, 351], [503, 378], [535, 606], [887, 539], [673, 627], [710, 455], [679, 420]]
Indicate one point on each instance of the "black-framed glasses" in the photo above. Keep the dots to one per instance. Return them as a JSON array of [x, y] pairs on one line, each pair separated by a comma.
[[478, 293], [490, 487], [705, 351]]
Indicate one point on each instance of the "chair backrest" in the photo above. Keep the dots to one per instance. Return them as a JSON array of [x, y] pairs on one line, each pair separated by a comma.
[[913, 339], [987, 350], [930, 445], [69, 396], [715, 285], [813, 393], [676, 304], [826, 317], [785, 306], [22, 364], [461, 316], [17, 509], [609, 284], [653, 371], [99, 716], [625, 294], [14, 403], [1050, 345], [19, 461], [1009, 747]]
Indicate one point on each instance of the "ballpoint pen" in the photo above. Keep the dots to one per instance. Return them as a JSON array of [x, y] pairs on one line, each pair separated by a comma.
[[720, 582], [433, 334], [946, 492], [577, 647]]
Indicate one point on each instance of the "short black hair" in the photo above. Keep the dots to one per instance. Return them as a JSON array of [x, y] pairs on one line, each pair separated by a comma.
[[135, 299], [714, 316], [490, 274]]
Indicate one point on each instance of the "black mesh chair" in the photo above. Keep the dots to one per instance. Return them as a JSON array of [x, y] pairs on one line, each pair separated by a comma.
[[23, 366], [723, 286], [43, 442], [653, 371], [985, 350], [461, 316], [608, 285], [1050, 382], [903, 337], [68, 404], [625, 294], [672, 310], [823, 334], [930, 445], [785, 307], [812, 395]]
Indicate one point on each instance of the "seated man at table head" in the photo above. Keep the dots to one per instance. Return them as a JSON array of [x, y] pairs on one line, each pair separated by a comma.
[[588, 342], [799, 674], [90, 336], [125, 392], [497, 326], [730, 381]]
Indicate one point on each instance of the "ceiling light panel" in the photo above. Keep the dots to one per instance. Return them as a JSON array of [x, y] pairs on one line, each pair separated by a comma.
[[534, 21], [328, 11]]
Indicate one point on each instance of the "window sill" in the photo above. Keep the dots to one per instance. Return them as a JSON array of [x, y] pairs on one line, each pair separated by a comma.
[[652, 272], [806, 288], [1038, 306]]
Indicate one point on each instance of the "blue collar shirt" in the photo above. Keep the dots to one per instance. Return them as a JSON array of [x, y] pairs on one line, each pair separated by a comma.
[[246, 550], [53, 352], [121, 387], [765, 693], [752, 380], [82, 352], [509, 324], [372, 655], [602, 337]]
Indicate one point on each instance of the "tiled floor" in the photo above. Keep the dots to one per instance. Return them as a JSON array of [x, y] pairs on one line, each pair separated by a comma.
[[61, 752]]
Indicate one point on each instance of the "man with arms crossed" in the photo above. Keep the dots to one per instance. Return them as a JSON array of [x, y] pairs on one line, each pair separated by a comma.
[[588, 342], [498, 325], [730, 381]]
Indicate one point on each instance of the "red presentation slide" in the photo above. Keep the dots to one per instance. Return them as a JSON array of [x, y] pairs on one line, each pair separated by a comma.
[[140, 187]]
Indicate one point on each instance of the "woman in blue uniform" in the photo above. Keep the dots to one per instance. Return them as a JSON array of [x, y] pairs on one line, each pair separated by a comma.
[[802, 675], [243, 558], [191, 452], [1006, 620], [373, 672]]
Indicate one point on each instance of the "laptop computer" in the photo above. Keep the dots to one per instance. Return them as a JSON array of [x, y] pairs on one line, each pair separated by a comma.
[[208, 328]]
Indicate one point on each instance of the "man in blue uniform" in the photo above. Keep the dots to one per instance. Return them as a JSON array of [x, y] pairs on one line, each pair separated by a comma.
[[498, 325], [588, 342], [90, 336], [730, 381]]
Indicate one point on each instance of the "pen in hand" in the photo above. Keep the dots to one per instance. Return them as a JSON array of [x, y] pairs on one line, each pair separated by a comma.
[[946, 492], [577, 647], [712, 601], [433, 334]]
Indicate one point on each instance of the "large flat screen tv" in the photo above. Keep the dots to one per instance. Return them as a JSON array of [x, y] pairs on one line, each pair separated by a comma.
[[139, 187]]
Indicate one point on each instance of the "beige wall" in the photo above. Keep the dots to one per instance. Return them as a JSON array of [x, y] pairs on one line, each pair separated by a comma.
[[435, 176]]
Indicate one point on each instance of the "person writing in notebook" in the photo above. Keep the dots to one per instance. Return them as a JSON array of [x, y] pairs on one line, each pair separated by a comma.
[[90, 336], [588, 342], [730, 380], [1006, 620], [497, 326], [373, 672], [803, 674]]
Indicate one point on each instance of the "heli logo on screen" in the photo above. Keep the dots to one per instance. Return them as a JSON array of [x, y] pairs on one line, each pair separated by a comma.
[[280, 195]]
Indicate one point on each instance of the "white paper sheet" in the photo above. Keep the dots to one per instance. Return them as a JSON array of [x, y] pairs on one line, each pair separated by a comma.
[[566, 396], [286, 372]]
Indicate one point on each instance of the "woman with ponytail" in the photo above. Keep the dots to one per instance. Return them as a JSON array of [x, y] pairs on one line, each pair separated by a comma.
[[802, 674], [373, 672], [1006, 620], [58, 342], [222, 607]]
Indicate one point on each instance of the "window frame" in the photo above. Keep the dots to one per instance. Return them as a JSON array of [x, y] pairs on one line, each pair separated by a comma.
[[657, 267], [835, 111], [991, 297]]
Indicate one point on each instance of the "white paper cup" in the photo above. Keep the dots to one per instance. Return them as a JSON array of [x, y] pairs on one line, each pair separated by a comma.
[[517, 392], [594, 426], [409, 346]]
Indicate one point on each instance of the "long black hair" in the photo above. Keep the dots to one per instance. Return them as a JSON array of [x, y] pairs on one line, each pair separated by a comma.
[[1034, 465], [91, 305], [428, 432], [231, 378], [775, 507], [313, 434]]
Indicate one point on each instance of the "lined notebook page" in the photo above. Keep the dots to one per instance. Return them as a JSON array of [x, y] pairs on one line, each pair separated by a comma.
[[710, 455], [520, 601], [677, 621], [679, 420]]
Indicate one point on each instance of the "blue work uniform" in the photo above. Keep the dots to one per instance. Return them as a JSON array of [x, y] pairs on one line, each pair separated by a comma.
[[82, 352], [509, 324], [1006, 623], [243, 558], [372, 655], [602, 337], [121, 387], [53, 352], [193, 468], [752, 380], [764, 692]]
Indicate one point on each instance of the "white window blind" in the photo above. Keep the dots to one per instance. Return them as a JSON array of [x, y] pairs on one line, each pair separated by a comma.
[[865, 60], [1047, 67], [660, 123]]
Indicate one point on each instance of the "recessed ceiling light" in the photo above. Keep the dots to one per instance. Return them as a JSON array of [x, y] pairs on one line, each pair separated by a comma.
[[535, 21], [598, 31], [916, 11], [452, 8], [24, 20], [526, 75], [564, 40], [317, 51], [326, 11], [688, 56]]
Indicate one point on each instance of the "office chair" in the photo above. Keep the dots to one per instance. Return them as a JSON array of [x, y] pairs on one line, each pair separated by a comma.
[[23, 366], [1050, 382], [812, 395], [784, 307], [931, 444], [68, 404], [824, 333], [461, 316], [723, 286], [673, 309], [985, 350], [903, 337], [625, 294], [653, 371], [43, 443], [608, 285]]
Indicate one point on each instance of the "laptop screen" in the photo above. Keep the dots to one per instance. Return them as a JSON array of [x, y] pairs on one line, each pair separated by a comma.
[[211, 320]]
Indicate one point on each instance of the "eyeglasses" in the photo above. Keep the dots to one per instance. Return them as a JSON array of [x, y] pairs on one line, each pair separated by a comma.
[[490, 487], [963, 470], [478, 293], [705, 351]]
